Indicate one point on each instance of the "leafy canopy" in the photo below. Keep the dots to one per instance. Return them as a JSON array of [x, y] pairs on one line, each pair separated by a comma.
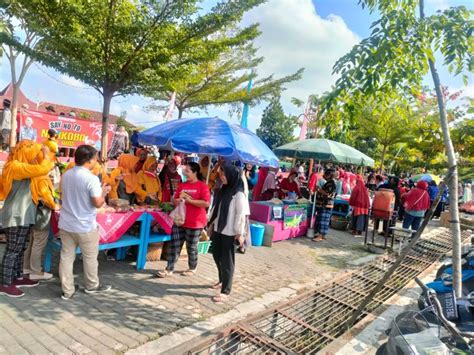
[[276, 128], [119, 47], [222, 80], [395, 56]]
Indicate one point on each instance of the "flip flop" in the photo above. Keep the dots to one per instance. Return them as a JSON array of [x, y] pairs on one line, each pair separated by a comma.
[[216, 286], [188, 272], [164, 273], [222, 298]]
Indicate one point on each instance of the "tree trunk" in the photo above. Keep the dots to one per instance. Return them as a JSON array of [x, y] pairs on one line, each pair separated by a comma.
[[105, 122], [14, 110], [382, 158], [180, 113], [453, 182]]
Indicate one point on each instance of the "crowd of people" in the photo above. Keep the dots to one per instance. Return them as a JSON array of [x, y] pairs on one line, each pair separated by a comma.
[[31, 192], [30, 198]]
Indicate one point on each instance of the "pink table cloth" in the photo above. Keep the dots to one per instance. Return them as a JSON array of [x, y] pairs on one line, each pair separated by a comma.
[[112, 226], [164, 220]]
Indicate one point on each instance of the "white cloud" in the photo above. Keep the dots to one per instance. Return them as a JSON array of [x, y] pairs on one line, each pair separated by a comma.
[[295, 36]]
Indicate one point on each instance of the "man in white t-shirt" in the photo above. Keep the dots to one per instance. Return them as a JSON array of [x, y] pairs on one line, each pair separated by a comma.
[[82, 193]]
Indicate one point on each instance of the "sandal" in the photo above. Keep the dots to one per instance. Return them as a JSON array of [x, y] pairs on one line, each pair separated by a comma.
[[216, 286], [188, 272], [318, 238], [163, 274], [222, 298]]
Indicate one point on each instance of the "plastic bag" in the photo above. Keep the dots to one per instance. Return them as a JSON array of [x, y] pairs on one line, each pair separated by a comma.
[[179, 214]]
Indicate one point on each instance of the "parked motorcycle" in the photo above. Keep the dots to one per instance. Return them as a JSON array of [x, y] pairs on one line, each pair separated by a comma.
[[459, 311], [467, 260], [426, 332]]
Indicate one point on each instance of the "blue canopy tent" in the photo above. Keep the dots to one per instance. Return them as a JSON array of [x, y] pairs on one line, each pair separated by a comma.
[[210, 136]]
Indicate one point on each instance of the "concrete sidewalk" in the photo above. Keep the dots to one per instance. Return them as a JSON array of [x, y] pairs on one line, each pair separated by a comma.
[[141, 308]]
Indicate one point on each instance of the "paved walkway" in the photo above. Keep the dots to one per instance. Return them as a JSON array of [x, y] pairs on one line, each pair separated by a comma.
[[140, 308]]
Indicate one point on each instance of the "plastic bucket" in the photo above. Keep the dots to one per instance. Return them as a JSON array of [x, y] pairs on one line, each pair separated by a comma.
[[256, 234]]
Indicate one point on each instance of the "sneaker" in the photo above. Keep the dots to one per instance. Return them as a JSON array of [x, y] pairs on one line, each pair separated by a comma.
[[11, 291], [25, 282], [67, 297], [43, 276], [98, 289]]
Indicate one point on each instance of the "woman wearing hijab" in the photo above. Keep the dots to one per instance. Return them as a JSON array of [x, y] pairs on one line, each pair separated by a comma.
[[257, 190], [251, 176], [170, 179], [270, 186], [204, 165], [228, 218], [123, 179], [196, 196], [120, 143], [40, 231], [417, 202], [149, 185], [360, 203], [142, 154], [290, 185], [29, 160]]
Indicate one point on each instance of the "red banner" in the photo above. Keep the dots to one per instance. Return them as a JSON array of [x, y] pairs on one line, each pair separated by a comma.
[[73, 132]]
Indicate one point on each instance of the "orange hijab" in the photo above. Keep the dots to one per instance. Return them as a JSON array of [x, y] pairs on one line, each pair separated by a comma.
[[152, 183], [28, 152], [126, 164]]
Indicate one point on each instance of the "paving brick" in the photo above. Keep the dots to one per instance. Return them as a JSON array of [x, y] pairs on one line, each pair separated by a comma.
[[141, 308], [17, 350]]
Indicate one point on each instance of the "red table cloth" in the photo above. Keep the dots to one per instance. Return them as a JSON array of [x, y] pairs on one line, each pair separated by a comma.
[[164, 220], [112, 226]]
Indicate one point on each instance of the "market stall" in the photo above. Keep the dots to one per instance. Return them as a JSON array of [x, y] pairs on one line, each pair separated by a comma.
[[281, 221], [114, 233]]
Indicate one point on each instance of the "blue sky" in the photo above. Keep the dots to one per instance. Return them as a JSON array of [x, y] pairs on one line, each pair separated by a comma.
[[296, 33]]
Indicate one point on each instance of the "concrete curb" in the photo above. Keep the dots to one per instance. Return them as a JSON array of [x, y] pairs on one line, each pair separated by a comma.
[[176, 341]]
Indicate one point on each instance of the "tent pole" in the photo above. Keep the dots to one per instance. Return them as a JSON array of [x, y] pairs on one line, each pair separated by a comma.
[[209, 169]]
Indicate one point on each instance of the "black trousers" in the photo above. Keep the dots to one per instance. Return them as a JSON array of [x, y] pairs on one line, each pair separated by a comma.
[[223, 251]]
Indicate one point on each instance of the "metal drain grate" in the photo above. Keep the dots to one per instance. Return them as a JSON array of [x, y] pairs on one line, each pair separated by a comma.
[[318, 317]]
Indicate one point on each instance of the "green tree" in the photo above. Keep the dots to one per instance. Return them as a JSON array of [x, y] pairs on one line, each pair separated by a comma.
[[222, 80], [119, 47], [397, 55], [14, 31], [276, 128], [463, 139]]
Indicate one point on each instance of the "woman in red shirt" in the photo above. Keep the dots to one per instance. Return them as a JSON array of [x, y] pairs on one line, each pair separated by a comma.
[[290, 184], [196, 196]]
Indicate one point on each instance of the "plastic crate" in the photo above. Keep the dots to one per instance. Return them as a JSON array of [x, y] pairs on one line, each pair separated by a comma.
[[203, 247]]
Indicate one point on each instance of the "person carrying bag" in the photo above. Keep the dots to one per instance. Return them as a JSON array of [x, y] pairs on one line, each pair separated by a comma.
[[416, 203]]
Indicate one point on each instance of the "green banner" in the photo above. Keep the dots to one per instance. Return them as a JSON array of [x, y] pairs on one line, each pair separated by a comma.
[[294, 215]]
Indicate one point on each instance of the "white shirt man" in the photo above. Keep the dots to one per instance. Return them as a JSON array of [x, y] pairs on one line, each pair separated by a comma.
[[82, 193]]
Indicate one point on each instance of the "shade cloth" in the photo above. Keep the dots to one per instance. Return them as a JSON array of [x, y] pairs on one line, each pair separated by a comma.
[[324, 150], [210, 136]]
